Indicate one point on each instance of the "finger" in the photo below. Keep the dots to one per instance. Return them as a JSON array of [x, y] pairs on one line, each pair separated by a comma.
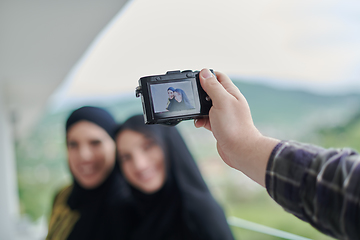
[[199, 122], [202, 122], [229, 86], [213, 87]]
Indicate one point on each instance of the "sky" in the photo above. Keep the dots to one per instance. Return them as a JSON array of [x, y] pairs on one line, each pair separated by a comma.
[[314, 45]]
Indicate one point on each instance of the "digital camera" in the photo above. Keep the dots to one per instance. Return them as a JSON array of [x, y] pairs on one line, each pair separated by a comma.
[[175, 96]]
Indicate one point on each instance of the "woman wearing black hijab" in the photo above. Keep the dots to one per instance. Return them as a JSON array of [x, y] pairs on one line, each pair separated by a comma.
[[181, 101], [169, 197], [171, 98], [84, 210]]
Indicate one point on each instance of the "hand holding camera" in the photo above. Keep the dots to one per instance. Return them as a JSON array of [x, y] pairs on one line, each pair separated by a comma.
[[227, 115], [239, 142]]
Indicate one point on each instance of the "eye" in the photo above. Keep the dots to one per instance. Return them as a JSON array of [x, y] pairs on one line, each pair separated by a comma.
[[72, 145], [95, 143], [148, 145], [125, 157]]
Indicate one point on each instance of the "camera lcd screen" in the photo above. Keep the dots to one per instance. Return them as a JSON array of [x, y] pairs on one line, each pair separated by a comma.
[[175, 98]]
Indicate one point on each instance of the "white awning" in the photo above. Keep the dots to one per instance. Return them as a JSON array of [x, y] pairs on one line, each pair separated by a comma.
[[40, 42]]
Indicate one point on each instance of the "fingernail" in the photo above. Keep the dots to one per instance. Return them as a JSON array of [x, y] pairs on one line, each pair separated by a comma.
[[206, 73]]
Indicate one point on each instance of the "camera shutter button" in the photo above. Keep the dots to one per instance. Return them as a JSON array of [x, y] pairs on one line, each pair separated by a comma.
[[173, 72]]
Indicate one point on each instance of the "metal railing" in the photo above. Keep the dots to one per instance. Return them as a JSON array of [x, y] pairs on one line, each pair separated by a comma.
[[241, 223]]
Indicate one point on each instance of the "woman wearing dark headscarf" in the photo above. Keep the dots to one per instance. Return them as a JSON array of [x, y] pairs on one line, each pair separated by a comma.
[[84, 210], [171, 98], [181, 102], [169, 197]]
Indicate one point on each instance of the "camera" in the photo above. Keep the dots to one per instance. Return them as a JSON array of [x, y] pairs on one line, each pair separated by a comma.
[[175, 96]]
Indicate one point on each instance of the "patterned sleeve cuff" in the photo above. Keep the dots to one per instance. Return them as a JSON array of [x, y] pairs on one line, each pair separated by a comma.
[[270, 163], [287, 169], [273, 153]]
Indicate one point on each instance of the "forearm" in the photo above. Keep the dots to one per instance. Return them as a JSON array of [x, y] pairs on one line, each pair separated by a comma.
[[255, 157]]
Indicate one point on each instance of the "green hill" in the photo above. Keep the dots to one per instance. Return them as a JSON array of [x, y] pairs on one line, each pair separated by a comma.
[[344, 135], [288, 113]]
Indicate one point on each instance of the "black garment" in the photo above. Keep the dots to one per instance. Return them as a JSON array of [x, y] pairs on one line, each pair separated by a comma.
[[96, 208], [170, 103], [178, 106], [184, 207]]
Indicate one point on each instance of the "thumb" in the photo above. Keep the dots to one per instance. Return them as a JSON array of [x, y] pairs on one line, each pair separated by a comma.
[[212, 87]]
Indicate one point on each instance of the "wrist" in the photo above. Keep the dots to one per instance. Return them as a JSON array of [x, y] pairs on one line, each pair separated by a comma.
[[253, 160]]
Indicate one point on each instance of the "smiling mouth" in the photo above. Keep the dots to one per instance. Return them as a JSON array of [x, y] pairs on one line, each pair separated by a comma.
[[87, 170], [148, 174]]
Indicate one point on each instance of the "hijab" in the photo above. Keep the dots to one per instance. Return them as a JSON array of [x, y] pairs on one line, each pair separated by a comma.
[[96, 206], [183, 105], [171, 88], [184, 207]]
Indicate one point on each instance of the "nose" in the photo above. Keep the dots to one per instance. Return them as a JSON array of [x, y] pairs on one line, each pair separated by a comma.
[[141, 161], [85, 153]]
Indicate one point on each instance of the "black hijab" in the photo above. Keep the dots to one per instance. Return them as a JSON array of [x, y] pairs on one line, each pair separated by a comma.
[[96, 206], [184, 207]]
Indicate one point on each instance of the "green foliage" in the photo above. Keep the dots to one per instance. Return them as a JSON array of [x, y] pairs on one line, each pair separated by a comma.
[[286, 114], [263, 210], [346, 135], [42, 166]]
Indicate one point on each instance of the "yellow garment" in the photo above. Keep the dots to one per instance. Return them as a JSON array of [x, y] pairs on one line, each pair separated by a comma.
[[168, 103], [62, 219]]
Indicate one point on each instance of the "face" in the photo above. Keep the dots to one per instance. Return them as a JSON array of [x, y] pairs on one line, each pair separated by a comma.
[[91, 153], [177, 96], [142, 161], [170, 94]]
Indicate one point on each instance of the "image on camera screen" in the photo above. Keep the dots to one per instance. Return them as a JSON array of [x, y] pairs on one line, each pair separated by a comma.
[[172, 97]]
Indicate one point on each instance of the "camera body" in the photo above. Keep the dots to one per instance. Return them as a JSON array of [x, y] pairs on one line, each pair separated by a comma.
[[175, 96]]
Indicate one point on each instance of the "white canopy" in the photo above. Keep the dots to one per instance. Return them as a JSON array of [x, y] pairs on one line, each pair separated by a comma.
[[40, 41]]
